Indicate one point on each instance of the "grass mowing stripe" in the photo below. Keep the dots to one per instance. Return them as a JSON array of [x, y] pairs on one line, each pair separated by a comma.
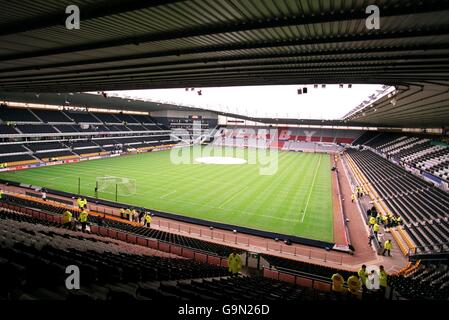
[[268, 203], [311, 189]]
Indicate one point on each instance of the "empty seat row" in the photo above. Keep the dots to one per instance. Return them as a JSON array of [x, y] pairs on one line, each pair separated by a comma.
[[422, 206]]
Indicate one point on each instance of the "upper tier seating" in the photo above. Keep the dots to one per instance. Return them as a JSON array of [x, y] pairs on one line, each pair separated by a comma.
[[365, 137], [82, 117], [4, 129], [42, 128], [81, 144], [143, 119], [41, 146], [118, 127], [417, 151], [66, 128], [52, 116], [126, 118], [136, 127], [107, 117], [105, 142], [17, 115]]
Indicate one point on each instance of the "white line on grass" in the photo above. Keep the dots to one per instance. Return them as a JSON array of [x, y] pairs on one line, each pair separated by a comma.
[[167, 194], [233, 196], [311, 189]]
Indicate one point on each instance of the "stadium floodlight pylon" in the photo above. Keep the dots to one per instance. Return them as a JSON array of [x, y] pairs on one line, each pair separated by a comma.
[[123, 186]]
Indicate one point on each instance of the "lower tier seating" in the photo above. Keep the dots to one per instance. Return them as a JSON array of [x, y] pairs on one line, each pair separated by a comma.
[[205, 246], [429, 281], [422, 206]]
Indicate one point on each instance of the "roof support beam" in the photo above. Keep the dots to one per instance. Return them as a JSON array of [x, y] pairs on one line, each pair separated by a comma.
[[439, 62], [95, 11], [421, 48], [422, 7], [390, 58]]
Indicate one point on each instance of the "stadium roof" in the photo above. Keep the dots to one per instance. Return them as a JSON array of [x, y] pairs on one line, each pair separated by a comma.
[[78, 99], [198, 43]]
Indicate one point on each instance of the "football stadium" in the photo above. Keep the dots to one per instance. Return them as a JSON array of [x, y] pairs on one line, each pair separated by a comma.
[[267, 151]]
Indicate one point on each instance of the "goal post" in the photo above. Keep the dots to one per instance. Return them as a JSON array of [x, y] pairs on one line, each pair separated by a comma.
[[122, 186]]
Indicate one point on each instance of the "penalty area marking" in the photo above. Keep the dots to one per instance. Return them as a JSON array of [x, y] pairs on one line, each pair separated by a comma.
[[311, 189]]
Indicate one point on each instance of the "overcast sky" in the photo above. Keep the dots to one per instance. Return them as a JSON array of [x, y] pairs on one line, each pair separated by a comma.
[[331, 102]]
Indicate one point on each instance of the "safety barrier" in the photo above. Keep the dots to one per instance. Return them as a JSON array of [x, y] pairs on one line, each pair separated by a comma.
[[342, 213]]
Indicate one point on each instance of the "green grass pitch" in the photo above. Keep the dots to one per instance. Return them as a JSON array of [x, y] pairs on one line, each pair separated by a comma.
[[296, 200]]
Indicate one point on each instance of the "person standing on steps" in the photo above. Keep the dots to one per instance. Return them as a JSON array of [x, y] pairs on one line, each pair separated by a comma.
[[234, 264], [388, 245]]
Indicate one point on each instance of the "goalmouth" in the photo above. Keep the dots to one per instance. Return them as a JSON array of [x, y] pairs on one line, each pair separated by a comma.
[[112, 184]]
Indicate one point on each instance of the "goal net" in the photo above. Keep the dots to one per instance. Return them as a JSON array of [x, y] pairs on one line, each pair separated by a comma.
[[111, 184]]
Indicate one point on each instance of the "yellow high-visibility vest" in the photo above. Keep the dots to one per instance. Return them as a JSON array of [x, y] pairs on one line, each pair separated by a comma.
[[83, 216], [234, 263], [353, 284], [67, 216], [337, 282], [363, 275], [383, 278]]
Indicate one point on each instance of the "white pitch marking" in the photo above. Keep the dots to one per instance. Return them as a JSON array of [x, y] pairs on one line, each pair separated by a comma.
[[311, 189], [167, 194]]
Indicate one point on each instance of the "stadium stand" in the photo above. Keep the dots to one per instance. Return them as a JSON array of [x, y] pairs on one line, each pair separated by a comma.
[[422, 206], [48, 156], [421, 152], [34, 261], [430, 281], [52, 116], [130, 45], [126, 118], [45, 146], [217, 249], [36, 129], [18, 115], [82, 117], [115, 270], [7, 129], [63, 127], [16, 158], [294, 266], [12, 148], [107, 118]]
